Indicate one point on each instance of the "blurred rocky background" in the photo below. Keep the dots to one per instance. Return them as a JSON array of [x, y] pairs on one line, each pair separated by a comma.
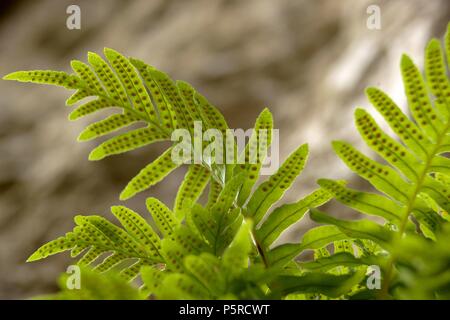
[[308, 60]]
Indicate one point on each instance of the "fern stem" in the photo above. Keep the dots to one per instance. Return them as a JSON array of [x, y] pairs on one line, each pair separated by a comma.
[[259, 248], [385, 288]]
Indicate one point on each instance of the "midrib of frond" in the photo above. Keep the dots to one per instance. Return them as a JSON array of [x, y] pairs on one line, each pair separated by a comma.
[[412, 200], [276, 226], [419, 185], [217, 235]]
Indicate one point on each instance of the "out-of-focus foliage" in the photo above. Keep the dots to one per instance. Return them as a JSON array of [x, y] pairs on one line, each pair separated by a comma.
[[424, 267], [95, 286]]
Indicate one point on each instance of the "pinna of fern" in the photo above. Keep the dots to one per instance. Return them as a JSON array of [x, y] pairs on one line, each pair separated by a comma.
[[414, 194]]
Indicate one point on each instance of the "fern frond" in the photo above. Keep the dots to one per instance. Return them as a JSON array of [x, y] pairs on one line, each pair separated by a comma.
[[89, 108], [319, 282], [219, 224], [361, 229], [142, 94], [164, 218], [95, 286], [208, 276], [415, 163], [51, 77], [423, 266], [97, 237], [324, 264], [414, 195], [368, 203]]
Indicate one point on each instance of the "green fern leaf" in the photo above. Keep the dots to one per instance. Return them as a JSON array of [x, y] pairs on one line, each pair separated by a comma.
[[201, 220], [263, 124], [95, 286], [284, 216], [152, 278], [127, 141], [144, 94], [187, 92], [111, 82], [315, 238], [168, 87], [150, 175], [194, 183], [214, 117], [108, 125], [236, 256], [131, 272], [110, 262], [206, 269], [317, 282], [420, 105], [88, 76], [214, 190], [338, 260], [175, 286], [414, 196], [164, 218], [226, 220], [139, 228], [272, 190], [436, 76], [80, 94], [57, 78], [97, 237], [361, 229], [382, 177], [134, 88], [77, 250], [55, 246], [89, 108], [166, 115], [369, 203], [173, 255]]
